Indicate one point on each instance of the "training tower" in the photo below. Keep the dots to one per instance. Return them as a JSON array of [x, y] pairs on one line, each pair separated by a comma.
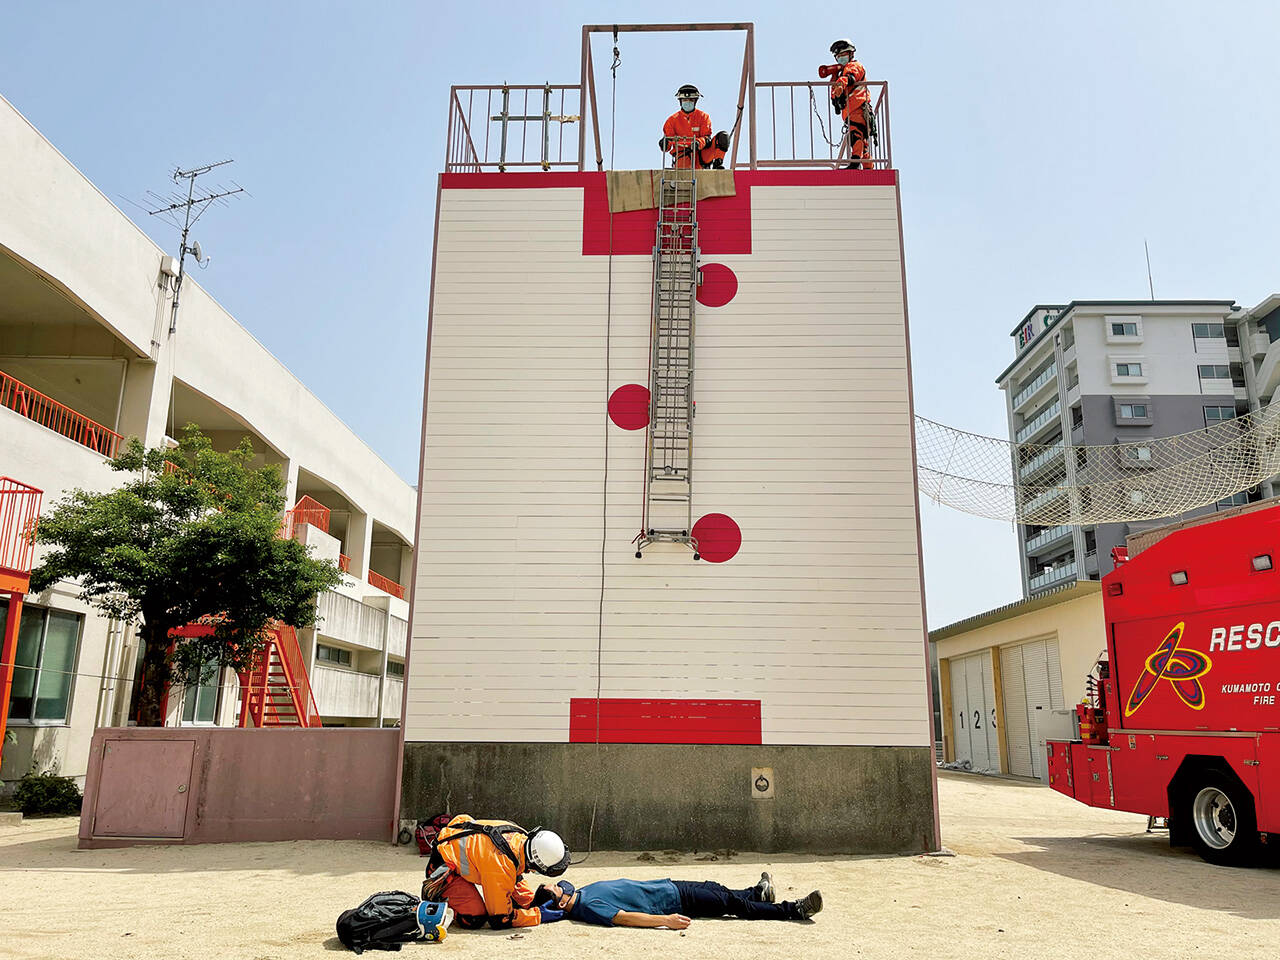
[[667, 588]]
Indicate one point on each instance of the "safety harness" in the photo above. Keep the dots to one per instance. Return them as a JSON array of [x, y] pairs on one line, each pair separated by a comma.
[[439, 872]]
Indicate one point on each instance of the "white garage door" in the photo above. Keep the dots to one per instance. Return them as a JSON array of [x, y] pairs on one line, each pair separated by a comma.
[[1032, 684], [973, 712]]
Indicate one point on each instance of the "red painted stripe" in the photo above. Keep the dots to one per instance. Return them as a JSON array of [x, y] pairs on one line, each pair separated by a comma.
[[764, 178], [724, 223], [638, 720]]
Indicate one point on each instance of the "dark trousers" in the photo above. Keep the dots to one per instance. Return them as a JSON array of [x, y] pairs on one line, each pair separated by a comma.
[[706, 898]]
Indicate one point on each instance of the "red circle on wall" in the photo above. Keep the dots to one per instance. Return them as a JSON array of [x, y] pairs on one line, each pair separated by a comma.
[[629, 406], [719, 284], [717, 536]]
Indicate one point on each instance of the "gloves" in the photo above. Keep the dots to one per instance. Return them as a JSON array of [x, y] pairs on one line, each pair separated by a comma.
[[664, 143], [550, 914], [722, 140], [840, 101]]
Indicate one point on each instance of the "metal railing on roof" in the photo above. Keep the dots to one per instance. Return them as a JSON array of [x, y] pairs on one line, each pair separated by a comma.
[[803, 129], [31, 403], [515, 127]]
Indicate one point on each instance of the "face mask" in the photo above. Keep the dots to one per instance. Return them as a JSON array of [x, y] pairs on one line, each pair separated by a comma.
[[687, 105], [843, 58]]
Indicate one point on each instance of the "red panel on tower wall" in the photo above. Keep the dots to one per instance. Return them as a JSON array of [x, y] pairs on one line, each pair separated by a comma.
[[639, 720]]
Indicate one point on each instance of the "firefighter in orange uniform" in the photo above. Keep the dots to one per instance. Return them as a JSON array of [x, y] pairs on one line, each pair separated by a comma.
[[851, 100], [687, 134], [487, 860]]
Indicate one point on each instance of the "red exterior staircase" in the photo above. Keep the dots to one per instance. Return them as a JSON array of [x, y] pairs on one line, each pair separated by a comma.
[[276, 691]]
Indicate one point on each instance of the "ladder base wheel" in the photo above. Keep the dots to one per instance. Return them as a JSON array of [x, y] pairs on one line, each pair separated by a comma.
[[697, 556], [639, 555]]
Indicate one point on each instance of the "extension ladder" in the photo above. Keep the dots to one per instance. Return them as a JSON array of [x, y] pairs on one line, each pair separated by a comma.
[[668, 484]]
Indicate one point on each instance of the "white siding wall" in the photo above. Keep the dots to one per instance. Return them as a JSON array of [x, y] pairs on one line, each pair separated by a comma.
[[802, 436], [1167, 352]]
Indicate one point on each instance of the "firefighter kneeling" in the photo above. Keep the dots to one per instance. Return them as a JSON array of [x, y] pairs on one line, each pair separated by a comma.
[[687, 135], [478, 868]]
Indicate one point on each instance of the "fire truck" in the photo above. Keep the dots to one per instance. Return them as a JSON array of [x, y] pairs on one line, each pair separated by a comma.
[[1182, 719]]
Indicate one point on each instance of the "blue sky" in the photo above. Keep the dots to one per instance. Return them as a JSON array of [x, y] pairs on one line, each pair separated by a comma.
[[1038, 146]]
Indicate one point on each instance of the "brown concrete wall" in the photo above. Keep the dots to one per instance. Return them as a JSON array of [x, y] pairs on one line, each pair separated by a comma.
[[216, 785], [688, 797]]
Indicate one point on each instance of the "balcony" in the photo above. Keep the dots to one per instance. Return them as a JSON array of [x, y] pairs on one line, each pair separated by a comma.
[[1042, 500], [1046, 376], [1052, 576], [1041, 460], [344, 693], [1047, 538], [31, 403], [348, 620], [1046, 416], [386, 585]]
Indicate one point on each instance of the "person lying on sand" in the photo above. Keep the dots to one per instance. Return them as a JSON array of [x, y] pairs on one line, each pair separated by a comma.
[[674, 903]]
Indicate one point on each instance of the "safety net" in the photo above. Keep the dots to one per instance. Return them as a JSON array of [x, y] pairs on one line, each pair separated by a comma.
[[1045, 484]]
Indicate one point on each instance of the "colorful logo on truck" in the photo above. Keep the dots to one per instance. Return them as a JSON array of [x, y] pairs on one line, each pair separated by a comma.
[[1181, 667]]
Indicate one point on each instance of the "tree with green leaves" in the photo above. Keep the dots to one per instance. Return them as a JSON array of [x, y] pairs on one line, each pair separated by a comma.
[[194, 535]]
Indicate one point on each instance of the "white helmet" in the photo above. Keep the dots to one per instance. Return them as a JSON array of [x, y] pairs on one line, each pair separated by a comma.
[[546, 852]]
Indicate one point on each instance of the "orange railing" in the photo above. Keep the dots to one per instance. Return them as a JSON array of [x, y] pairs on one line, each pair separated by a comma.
[[306, 510], [385, 585], [19, 509], [58, 417], [344, 563], [296, 670]]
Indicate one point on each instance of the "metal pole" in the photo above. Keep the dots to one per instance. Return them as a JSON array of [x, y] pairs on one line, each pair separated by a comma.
[[751, 60], [502, 148], [582, 100]]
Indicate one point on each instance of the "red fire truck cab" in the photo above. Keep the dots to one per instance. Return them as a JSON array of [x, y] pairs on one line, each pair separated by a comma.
[[1183, 718]]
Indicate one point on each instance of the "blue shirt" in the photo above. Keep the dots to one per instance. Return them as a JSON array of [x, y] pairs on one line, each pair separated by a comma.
[[600, 902]]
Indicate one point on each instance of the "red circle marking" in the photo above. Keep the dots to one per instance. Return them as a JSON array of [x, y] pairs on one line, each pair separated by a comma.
[[717, 537], [719, 284], [629, 406]]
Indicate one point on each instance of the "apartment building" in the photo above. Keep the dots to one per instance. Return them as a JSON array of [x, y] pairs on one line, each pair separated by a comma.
[[87, 359], [1091, 373]]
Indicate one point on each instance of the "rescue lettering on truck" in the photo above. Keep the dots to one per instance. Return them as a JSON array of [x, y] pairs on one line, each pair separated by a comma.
[[1183, 721]]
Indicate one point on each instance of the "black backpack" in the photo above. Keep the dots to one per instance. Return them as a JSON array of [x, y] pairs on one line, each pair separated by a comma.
[[382, 922]]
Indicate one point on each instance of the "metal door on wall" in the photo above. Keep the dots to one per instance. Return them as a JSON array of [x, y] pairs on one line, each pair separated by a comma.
[[1032, 680], [144, 789], [973, 712]]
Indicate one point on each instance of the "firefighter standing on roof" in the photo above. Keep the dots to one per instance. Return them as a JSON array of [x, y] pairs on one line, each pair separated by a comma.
[[487, 860], [687, 134], [852, 101]]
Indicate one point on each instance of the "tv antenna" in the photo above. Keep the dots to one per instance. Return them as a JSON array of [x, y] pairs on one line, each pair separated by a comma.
[[183, 212], [1151, 284]]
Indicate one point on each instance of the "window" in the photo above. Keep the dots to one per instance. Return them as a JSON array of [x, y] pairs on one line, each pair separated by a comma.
[[1138, 454], [395, 669], [1208, 331], [333, 655], [1214, 415], [1124, 329], [1214, 371], [1235, 500], [1133, 411], [1130, 369], [200, 700], [44, 664]]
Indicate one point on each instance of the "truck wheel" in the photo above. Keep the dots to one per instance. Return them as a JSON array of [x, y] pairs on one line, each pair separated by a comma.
[[1224, 827]]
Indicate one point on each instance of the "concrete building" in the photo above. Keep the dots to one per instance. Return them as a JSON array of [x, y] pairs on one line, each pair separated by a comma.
[[1094, 373], [87, 359], [1001, 672]]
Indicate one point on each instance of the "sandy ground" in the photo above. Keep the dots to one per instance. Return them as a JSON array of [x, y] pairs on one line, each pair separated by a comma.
[[1035, 876]]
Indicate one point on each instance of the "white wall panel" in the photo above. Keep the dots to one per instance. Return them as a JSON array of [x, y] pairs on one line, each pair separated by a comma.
[[802, 436]]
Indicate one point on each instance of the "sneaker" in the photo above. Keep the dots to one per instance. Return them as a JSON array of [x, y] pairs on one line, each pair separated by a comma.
[[810, 905], [764, 890]]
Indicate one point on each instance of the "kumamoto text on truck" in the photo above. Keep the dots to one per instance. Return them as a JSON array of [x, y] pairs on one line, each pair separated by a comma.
[[1183, 718]]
